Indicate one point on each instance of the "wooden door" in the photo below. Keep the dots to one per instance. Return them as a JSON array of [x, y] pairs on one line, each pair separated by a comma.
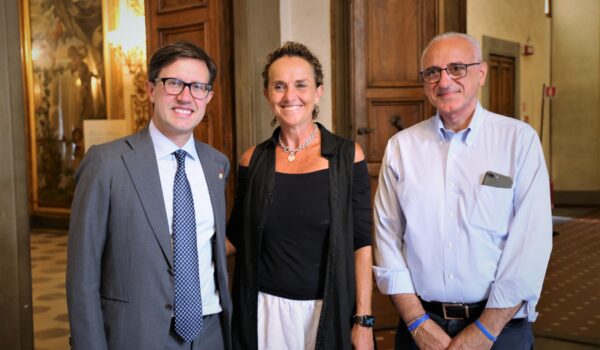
[[502, 84], [387, 39], [206, 23], [386, 42]]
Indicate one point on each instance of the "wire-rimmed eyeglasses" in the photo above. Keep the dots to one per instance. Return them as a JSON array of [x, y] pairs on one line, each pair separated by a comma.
[[174, 86], [433, 74]]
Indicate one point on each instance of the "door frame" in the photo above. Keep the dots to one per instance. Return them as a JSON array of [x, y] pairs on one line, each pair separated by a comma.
[[255, 33], [490, 45], [341, 68]]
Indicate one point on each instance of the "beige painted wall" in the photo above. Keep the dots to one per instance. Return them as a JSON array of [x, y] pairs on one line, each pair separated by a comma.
[[576, 108], [308, 22], [521, 21]]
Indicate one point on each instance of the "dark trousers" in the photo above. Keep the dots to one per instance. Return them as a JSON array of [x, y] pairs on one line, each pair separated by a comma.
[[210, 337], [516, 335]]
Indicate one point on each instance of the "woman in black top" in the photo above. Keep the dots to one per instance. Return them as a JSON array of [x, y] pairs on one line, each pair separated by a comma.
[[301, 224]]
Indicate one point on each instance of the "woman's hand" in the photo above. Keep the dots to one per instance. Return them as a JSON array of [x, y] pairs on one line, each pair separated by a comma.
[[362, 338]]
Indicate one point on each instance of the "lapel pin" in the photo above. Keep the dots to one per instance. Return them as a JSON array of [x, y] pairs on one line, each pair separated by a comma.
[[220, 175]]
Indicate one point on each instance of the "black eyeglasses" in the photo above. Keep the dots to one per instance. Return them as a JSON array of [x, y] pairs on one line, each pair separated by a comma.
[[174, 86], [432, 75]]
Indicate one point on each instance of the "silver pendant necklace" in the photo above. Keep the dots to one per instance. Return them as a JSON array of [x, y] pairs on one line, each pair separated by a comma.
[[292, 152]]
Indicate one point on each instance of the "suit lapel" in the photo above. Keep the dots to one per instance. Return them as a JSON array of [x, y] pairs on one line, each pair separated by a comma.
[[142, 167]]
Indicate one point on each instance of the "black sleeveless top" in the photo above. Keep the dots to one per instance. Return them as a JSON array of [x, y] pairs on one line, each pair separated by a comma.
[[295, 238]]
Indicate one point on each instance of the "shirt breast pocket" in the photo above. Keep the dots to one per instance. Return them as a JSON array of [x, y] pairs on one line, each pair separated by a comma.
[[491, 208]]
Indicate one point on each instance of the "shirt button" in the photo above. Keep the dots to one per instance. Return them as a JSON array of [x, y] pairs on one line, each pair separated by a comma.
[[451, 215], [449, 245], [451, 276]]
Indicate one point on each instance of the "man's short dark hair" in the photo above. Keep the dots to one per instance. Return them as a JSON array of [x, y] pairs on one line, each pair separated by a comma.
[[169, 53]]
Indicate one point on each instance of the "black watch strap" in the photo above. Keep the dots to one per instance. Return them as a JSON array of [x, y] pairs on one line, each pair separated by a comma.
[[364, 320]]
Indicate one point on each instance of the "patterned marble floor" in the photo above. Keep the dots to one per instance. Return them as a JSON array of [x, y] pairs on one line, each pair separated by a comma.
[[570, 304], [48, 264]]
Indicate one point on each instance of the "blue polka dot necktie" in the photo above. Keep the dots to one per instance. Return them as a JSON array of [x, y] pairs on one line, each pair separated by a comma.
[[188, 301]]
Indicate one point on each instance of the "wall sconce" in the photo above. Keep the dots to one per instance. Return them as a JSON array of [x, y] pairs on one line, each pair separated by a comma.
[[129, 41], [129, 38]]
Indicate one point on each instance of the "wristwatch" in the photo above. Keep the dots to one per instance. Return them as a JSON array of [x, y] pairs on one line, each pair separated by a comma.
[[364, 320]]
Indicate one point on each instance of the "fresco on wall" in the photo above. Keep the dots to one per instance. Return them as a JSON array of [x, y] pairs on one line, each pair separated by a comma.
[[64, 60]]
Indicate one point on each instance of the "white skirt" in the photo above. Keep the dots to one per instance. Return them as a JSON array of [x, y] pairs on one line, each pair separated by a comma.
[[287, 324]]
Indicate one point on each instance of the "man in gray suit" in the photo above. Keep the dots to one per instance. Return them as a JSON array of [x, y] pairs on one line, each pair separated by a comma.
[[135, 279]]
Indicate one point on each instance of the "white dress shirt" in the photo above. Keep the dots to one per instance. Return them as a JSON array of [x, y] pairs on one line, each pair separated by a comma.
[[205, 220], [443, 235]]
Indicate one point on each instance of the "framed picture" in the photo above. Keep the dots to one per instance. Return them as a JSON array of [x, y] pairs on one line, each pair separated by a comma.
[[64, 54]]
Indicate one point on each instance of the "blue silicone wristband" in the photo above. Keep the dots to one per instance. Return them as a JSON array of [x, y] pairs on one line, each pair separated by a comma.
[[485, 331], [418, 322]]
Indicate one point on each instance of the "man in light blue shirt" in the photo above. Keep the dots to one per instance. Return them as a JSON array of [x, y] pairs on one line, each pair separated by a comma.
[[463, 226]]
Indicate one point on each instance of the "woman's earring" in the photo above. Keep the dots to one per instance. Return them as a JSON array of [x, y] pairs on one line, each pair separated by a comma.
[[274, 121], [315, 113]]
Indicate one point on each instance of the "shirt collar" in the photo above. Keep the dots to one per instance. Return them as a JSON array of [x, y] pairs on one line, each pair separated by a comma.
[[163, 147], [468, 134]]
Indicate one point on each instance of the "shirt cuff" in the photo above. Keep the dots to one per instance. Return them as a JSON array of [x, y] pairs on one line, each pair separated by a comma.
[[392, 282], [501, 298]]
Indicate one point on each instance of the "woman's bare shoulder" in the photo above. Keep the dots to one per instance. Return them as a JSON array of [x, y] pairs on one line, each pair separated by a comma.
[[359, 155], [247, 156]]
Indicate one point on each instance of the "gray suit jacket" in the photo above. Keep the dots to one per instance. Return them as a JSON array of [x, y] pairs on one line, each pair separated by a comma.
[[120, 286]]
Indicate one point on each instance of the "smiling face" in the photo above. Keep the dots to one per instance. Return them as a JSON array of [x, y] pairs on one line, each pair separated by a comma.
[[176, 116], [292, 91], [455, 99]]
